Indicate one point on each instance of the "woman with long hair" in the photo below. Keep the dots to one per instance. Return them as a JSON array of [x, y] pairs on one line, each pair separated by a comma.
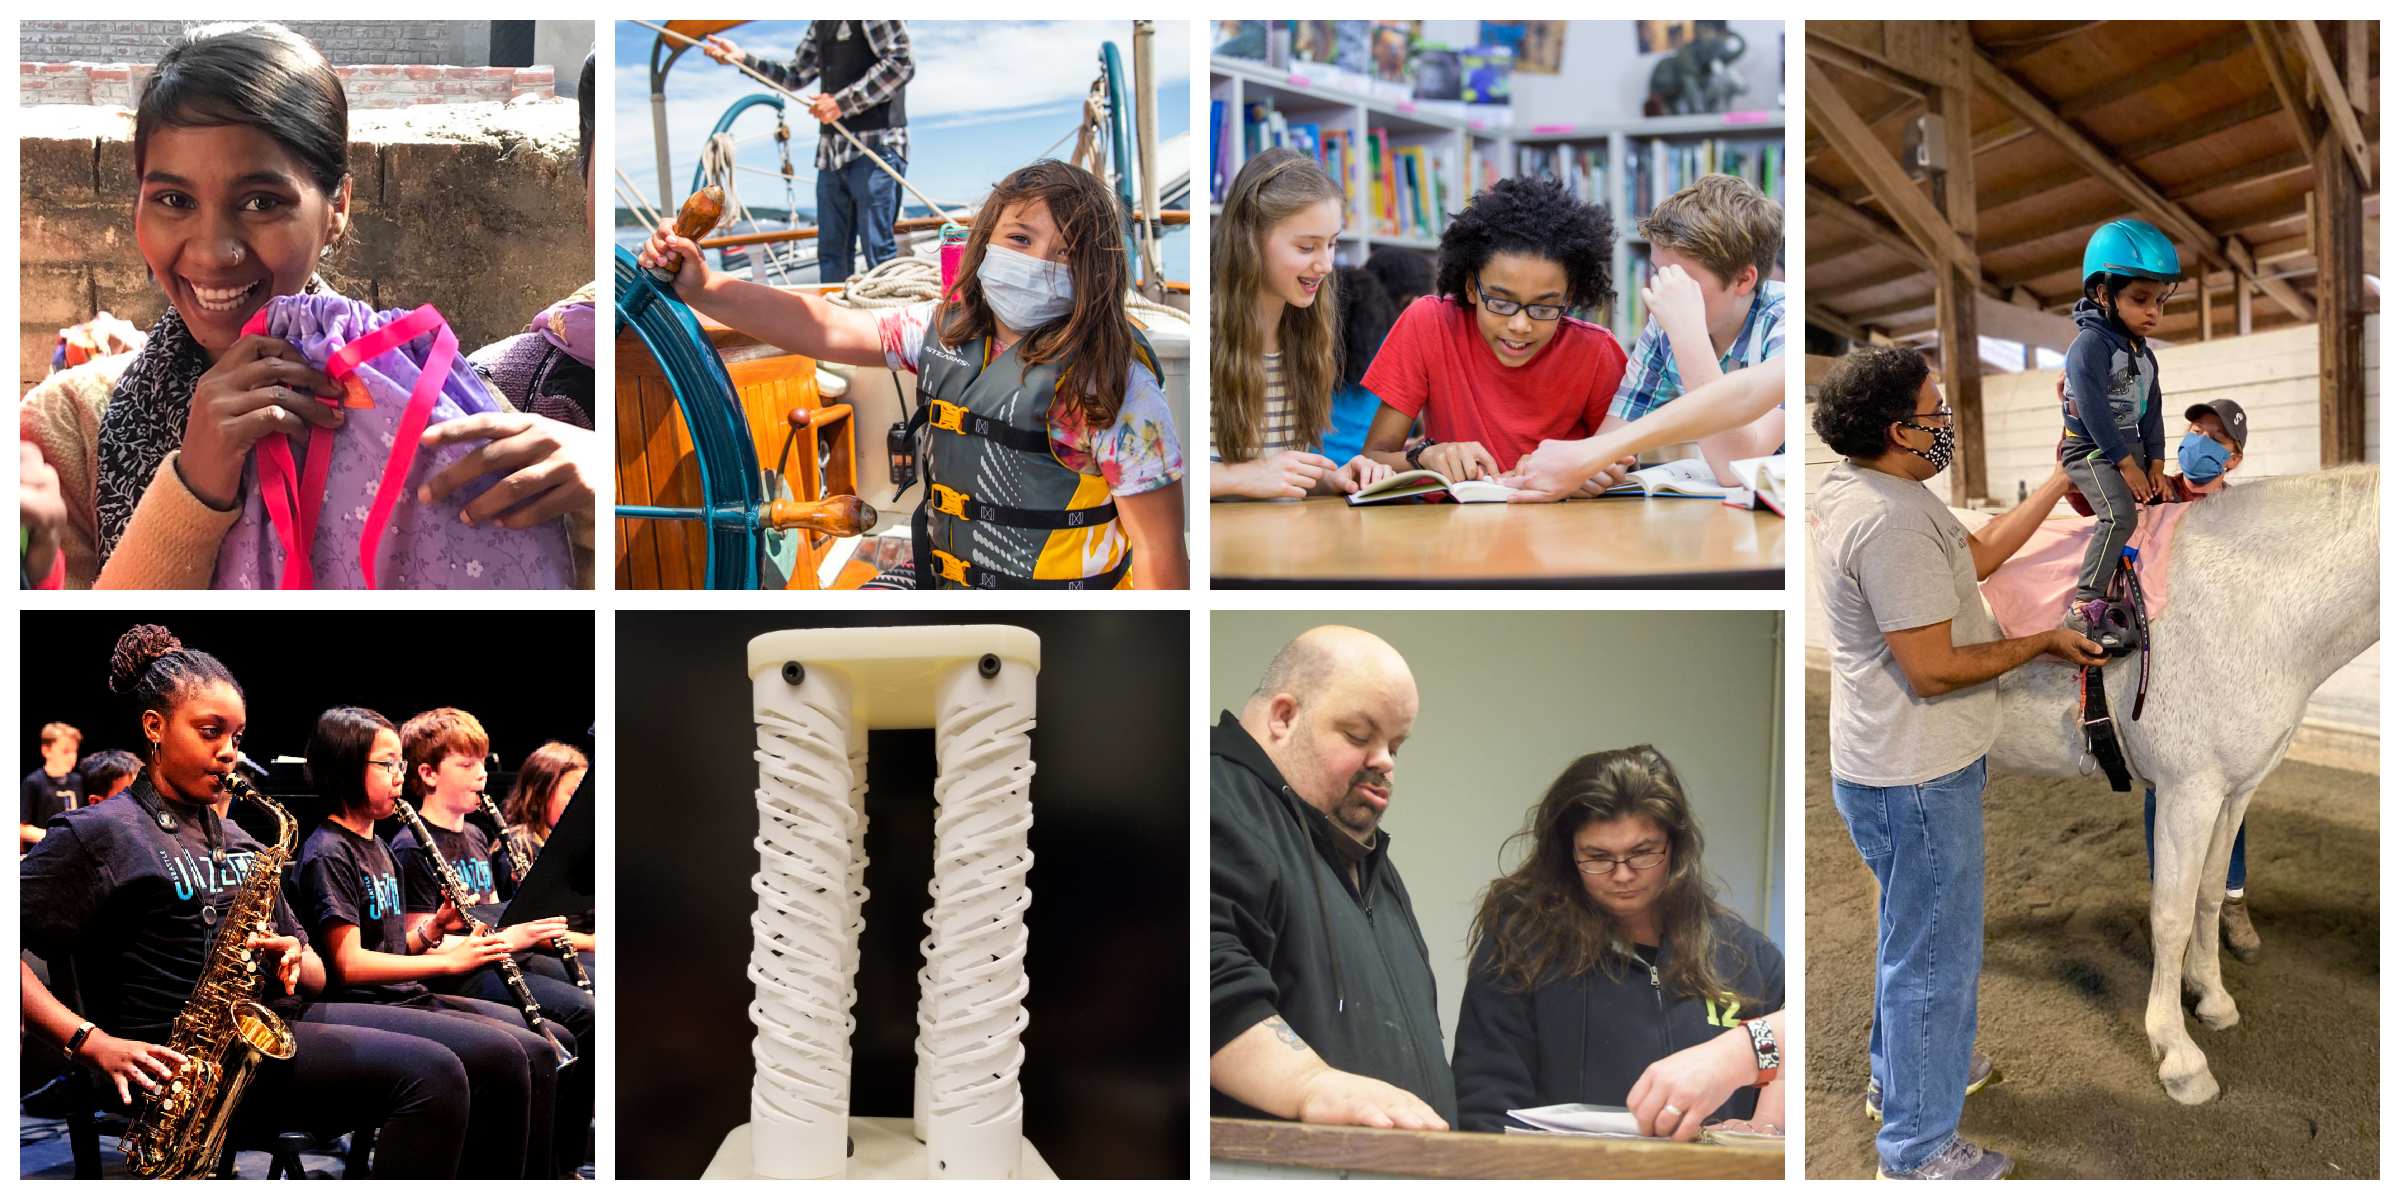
[[241, 154], [1053, 461], [544, 787], [1275, 340], [1606, 950], [130, 891]]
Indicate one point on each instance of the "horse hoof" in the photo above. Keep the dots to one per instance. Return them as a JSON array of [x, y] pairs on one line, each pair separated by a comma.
[[2199, 1087], [2219, 1017]]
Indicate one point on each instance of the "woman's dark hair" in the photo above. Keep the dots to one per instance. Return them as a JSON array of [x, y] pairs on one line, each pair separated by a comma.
[[260, 75], [1534, 217], [1862, 395], [1538, 924], [1403, 274], [584, 100], [337, 755], [1367, 315], [152, 670], [529, 801]]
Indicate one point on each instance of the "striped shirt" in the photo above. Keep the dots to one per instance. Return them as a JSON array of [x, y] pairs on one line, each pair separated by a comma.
[[1280, 429], [1651, 378], [894, 66]]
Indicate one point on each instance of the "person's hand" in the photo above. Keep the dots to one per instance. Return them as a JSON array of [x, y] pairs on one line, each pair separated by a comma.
[[526, 935], [2158, 478], [261, 385], [1555, 470], [1457, 461], [2075, 648], [672, 251], [1286, 475], [547, 468], [473, 953], [1674, 298], [446, 920], [824, 109], [130, 1064], [1341, 1098], [2136, 480], [280, 953], [1359, 472], [1678, 1092], [41, 508], [721, 49]]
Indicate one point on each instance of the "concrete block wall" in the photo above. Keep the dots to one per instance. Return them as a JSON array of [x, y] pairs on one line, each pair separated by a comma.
[[368, 87], [488, 231], [404, 42]]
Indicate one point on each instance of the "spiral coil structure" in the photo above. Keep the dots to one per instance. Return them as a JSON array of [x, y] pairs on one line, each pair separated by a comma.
[[804, 950]]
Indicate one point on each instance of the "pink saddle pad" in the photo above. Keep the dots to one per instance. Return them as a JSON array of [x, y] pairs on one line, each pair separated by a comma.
[[2029, 592]]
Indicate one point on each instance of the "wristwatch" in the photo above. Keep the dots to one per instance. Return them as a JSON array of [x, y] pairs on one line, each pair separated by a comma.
[[1770, 1053], [82, 1035], [1416, 454]]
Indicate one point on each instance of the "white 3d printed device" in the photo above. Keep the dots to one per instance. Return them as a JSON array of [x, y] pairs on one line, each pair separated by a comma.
[[815, 693]]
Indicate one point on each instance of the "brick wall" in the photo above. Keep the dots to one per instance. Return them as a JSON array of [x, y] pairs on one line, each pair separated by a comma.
[[488, 230], [403, 42], [369, 86]]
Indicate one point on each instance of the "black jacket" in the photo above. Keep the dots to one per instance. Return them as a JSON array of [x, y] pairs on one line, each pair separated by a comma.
[[1345, 967], [1589, 1038]]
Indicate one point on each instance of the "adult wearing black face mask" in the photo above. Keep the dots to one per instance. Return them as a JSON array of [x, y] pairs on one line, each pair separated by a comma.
[[1914, 652]]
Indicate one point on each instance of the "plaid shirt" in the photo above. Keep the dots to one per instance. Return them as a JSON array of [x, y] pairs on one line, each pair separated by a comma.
[[1651, 378], [894, 67]]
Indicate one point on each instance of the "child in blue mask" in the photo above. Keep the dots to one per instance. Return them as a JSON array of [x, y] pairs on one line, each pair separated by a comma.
[[2114, 447]]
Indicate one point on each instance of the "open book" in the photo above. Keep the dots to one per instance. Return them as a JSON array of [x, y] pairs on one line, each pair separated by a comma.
[[1432, 486], [1614, 1121], [1763, 478], [1685, 478]]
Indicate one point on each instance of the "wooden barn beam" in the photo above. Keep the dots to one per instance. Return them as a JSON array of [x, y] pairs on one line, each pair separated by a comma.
[[2335, 96], [2294, 101], [1915, 215], [2341, 304], [1861, 63], [1959, 282]]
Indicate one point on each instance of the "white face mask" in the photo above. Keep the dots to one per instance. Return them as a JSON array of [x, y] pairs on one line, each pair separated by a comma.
[[1025, 292]]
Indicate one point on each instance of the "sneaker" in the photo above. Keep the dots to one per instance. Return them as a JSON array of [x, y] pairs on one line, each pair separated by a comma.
[[1982, 1072], [2241, 936], [1961, 1159], [2086, 617]]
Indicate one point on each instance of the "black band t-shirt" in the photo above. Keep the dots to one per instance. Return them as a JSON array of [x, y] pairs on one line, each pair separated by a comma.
[[346, 879], [469, 853], [47, 795], [136, 908]]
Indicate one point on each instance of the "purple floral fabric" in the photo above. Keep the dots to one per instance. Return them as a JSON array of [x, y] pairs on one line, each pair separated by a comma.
[[423, 545]]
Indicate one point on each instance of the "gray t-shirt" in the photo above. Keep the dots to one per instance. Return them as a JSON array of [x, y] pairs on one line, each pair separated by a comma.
[[1888, 555]]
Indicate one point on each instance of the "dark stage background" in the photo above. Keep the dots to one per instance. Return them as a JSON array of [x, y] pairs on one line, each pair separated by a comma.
[[527, 676], [1108, 1051]]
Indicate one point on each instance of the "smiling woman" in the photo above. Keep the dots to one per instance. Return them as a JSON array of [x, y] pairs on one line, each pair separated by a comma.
[[244, 187]]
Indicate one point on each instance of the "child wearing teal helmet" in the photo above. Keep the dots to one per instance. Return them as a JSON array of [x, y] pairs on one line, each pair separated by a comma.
[[2115, 443]]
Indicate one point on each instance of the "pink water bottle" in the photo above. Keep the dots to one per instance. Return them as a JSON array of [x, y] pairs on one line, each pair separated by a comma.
[[954, 248]]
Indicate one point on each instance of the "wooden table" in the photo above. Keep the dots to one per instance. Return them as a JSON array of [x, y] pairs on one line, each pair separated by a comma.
[[1284, 1149], [1613, 542]]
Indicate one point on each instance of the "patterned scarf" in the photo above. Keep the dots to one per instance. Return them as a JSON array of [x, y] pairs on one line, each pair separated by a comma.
[[144, 421]]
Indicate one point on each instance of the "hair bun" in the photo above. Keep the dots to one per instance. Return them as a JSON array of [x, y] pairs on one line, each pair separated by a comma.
[[140, 646]]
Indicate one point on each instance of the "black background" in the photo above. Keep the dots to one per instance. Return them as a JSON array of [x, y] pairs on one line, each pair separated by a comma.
[[1107, 1053], [527, 676]]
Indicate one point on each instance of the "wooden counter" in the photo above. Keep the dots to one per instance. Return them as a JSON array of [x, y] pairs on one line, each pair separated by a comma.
[[1267, 1149], [1612, 543]]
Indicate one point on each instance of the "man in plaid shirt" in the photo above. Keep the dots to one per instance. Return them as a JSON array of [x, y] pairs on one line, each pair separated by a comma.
[[863, 69], [1713, 310]]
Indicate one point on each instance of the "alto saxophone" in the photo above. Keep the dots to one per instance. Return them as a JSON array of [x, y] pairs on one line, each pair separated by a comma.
[[520, 865], [456, 889], [178, 1130]]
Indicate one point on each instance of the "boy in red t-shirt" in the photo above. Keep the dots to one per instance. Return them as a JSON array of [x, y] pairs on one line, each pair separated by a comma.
[[1491, 361]]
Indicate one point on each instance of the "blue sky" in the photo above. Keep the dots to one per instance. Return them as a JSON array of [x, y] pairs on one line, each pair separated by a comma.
[[988, 96]]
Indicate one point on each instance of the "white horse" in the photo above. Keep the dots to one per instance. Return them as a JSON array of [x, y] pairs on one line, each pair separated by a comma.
[[2275, 586]]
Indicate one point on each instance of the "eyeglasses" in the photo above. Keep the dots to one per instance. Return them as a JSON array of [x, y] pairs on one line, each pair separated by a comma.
[[1601, 864], [390, 766], [1943, 413], [1510, 308]]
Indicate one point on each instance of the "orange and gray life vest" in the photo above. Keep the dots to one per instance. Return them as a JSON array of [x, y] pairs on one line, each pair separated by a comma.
[[1000, 509]]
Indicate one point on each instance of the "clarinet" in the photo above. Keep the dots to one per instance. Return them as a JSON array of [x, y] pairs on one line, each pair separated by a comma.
[[519, 866], [456, 889]]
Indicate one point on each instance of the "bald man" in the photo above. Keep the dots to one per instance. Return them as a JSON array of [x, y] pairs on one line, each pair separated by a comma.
[[1321, 999]]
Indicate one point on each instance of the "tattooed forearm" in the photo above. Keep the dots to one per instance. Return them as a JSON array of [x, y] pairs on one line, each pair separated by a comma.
[[1290, 1036]]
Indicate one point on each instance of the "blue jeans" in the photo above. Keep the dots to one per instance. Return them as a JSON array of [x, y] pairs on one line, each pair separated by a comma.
[[2237, 873], [856, 203], [1925, 844]]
